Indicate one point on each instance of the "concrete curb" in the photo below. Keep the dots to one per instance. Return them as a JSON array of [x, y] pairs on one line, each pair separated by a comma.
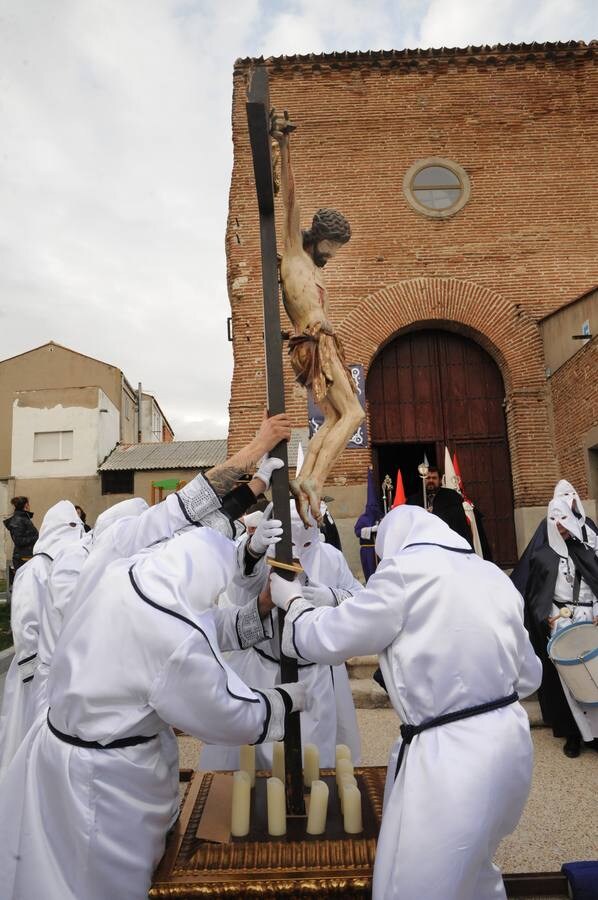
[[6, 659]]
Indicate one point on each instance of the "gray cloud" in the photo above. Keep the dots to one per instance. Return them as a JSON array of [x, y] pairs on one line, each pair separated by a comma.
[[115, 152]]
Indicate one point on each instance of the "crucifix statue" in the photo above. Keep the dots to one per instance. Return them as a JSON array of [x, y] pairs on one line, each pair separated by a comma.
[[316, 352]]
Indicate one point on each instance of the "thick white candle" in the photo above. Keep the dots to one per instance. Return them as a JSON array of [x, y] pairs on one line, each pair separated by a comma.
[[247, 761], [277, 811], [343, 767], [352, 809], [278, 760], [345, 779], [241, 804], [311, 765], [342, 752], [318, 807]]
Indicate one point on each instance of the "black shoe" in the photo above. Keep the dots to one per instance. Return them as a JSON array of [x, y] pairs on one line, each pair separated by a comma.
[[571, 747]]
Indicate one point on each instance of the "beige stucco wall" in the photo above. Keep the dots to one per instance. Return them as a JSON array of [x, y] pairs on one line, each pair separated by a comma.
[[49, 367]]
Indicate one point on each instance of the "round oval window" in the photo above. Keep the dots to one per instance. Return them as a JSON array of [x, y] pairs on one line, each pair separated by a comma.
[[436, 187]]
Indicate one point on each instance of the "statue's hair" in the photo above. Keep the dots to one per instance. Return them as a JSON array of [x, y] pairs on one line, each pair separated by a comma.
[[327, 225]]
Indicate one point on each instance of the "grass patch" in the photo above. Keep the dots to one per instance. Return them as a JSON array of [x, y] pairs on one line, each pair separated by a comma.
[[5, 632]]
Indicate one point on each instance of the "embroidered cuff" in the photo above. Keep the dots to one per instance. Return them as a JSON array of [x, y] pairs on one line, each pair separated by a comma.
[[274, 724], [297, 609], [198, 500], [219, 522], [340, 594], [250, 629]]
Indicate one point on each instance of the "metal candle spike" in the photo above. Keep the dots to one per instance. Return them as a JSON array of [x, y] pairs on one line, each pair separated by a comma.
[[386, 493]]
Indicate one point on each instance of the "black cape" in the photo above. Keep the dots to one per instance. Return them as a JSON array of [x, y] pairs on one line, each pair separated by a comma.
[[539, 595], [520, 573]]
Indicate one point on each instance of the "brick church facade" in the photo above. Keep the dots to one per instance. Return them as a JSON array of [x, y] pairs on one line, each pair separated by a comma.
[[468, 289]]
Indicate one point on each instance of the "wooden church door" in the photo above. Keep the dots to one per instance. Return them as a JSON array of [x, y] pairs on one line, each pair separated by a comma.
[[435, 387]]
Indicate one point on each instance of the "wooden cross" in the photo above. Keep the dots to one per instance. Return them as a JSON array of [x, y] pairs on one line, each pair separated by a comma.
[[258, 119]]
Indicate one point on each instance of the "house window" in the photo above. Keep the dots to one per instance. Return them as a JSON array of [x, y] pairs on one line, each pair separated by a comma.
[[436, 187], [51, 445], [119, 482]]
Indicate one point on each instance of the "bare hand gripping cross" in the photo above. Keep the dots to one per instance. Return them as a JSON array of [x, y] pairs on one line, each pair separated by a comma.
[[316, 352]]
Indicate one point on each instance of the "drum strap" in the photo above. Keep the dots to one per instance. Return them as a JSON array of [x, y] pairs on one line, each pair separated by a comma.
[[408, 732]]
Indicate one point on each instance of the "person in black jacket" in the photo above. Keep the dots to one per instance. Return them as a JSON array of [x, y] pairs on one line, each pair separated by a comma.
[[23, 532], [445, 503]]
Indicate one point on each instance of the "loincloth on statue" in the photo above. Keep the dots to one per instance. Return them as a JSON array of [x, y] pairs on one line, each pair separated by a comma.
[[312, 353]]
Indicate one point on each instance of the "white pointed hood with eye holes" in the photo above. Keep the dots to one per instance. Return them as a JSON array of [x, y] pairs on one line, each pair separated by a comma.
[[187, 573], [564, 490], [60, 526], [306, 543], [408, 526], [559, 511]]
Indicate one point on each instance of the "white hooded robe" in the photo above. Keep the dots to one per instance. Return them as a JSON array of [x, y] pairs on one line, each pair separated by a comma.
[[328, 686], [61, 527], [81, 823], [449, 630]]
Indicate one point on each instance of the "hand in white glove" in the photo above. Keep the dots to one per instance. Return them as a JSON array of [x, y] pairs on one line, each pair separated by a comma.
[[283, 591], [267, 532], [267, 465], [296, 692], [319, 595]]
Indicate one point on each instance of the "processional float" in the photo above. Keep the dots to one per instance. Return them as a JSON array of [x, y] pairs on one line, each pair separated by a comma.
[[223, 850]]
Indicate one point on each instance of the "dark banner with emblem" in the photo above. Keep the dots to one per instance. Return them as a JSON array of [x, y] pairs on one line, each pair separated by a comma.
[[316, 416]]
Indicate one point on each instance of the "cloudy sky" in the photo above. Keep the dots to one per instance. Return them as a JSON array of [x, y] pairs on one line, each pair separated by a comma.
[[115, 160]]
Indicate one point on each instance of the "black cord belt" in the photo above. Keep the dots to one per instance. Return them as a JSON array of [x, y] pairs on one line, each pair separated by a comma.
[[408, 732], [95, 745], [570, 604]]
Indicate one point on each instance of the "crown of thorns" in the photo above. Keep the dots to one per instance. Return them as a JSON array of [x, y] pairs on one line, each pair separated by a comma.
[[328, 225]]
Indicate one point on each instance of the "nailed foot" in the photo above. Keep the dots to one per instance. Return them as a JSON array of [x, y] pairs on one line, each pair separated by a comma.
[[301, 501], [310, 487]]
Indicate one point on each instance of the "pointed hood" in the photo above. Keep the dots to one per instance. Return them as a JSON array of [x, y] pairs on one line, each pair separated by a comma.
[[408, 525], [306, 541], [126, 508], [451, 479], [60, 526], [400, 497], [187, 573], [564, 490], [560, 512], [372, 513]]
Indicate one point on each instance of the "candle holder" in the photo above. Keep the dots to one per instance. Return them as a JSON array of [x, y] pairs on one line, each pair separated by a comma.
[[328, 865]]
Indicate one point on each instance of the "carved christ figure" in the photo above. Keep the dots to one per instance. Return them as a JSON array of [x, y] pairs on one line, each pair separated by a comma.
[[316, 352]]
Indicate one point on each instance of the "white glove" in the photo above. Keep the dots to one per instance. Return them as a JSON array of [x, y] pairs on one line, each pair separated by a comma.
[[283, 591], [366, 533], [318, 595], [267, 465], [296, 692], [267, 532]]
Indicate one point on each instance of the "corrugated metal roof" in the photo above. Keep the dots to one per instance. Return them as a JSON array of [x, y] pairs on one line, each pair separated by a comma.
[[183, 454], [174, 455]]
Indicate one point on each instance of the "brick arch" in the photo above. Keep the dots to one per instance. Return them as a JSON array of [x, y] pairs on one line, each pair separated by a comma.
[[503, 329], [510, 336]]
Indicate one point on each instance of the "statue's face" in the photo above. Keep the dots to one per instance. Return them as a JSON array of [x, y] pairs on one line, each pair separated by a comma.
[[323, 251]]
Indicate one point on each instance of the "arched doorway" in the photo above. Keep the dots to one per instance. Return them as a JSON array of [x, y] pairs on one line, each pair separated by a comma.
[[431, 388]]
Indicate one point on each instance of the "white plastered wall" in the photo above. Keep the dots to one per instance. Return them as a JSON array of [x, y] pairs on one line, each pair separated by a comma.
[[95, 433]]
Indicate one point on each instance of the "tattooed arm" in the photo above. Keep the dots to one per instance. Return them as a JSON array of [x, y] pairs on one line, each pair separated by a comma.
[[225, 477]]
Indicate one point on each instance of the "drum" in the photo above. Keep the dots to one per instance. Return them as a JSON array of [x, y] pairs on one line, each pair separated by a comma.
[[574, 651]]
